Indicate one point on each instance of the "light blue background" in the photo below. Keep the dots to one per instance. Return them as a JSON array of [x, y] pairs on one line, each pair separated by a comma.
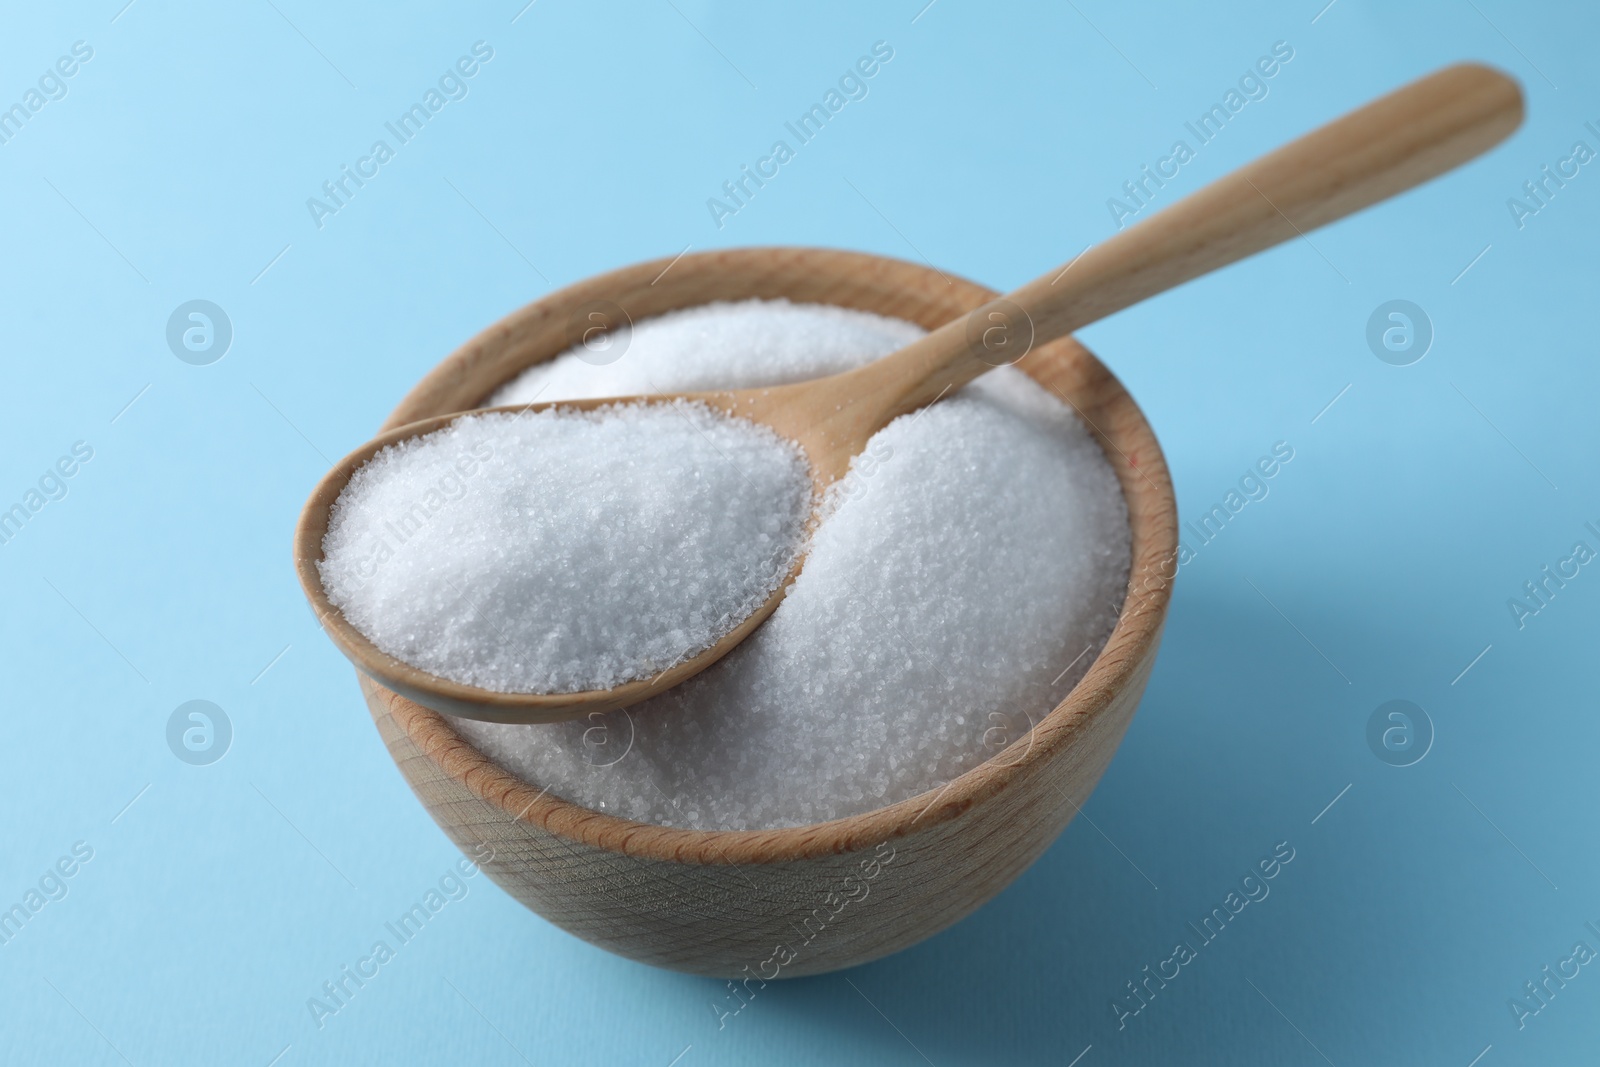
[[1415, 506]]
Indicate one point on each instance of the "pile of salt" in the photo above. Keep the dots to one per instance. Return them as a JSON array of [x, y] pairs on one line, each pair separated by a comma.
[[561, 551], [970, 568]]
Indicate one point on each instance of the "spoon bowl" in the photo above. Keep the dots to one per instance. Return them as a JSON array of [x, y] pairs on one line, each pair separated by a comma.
[[1388, 146], [474, 702]]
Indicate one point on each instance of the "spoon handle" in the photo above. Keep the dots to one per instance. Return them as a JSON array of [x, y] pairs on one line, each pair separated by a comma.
[[1398, 141]]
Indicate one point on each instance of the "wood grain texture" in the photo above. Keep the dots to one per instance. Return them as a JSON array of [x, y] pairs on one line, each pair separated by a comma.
[[833, 894]]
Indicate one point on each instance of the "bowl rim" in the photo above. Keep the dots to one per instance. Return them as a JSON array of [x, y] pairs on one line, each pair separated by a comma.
[[1153, 565]]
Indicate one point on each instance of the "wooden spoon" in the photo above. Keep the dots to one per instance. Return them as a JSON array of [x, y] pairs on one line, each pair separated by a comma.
[[1398, 141]]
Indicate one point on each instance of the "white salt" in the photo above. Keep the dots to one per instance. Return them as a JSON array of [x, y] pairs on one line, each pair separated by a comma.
[[560, 551], [971, 568], [719, 346]]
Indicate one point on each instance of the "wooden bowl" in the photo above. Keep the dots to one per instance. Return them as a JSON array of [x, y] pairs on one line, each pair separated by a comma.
[[810, 899]]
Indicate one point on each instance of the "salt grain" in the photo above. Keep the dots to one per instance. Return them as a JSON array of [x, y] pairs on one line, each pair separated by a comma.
[[560, 551], [972, 564]]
